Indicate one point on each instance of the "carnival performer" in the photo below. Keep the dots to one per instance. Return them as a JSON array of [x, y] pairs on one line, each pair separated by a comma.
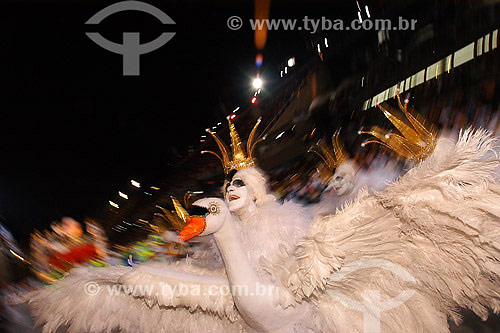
[[348, 178], [402, 259], [263, 225]]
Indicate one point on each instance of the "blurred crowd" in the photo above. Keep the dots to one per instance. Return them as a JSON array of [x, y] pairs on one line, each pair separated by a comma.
[[66, 244]]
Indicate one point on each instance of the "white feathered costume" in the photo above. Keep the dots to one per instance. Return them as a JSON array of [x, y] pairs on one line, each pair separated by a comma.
[[401, 260]]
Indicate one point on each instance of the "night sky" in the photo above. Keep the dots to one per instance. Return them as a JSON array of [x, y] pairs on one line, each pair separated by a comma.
[[74, 128]]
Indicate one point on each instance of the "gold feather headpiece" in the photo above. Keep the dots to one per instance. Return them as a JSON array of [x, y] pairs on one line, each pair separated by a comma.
[[333, 158], [239, 160], [417, 140], [177, 220]]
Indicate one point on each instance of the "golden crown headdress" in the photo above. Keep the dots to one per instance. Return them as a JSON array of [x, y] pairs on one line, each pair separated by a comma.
[[239, 160], [333, 157], [417, 140]]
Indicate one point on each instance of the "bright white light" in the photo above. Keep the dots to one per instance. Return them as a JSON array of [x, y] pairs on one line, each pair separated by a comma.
[[281, 73], [257, 83], [16, 255], [258, 91], [286, 70], [218, 124], [291, 62], [326, 42], [359, 17], [367, 11], [136, 184], [319, 48], [357, 3], [279, 135], [113, 204], [147, 193], [198, 192], [236, 109], [123, 195]]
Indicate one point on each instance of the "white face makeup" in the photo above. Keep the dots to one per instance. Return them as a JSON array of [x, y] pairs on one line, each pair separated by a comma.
[[341, 185], [343, 180], [236, 195]]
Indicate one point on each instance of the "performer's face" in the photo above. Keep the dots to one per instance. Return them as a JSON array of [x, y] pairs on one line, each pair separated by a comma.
[[342, 183], [237, 194]]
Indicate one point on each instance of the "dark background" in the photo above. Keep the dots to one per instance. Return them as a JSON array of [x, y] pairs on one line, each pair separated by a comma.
[[73, 128]]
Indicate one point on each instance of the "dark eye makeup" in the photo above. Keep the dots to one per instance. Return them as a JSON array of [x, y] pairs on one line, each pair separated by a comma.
[[238, 183], [235, 183]]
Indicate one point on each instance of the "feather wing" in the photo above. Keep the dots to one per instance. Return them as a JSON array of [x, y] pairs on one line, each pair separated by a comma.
[[156, 297], [439, 224], [181, 284]]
